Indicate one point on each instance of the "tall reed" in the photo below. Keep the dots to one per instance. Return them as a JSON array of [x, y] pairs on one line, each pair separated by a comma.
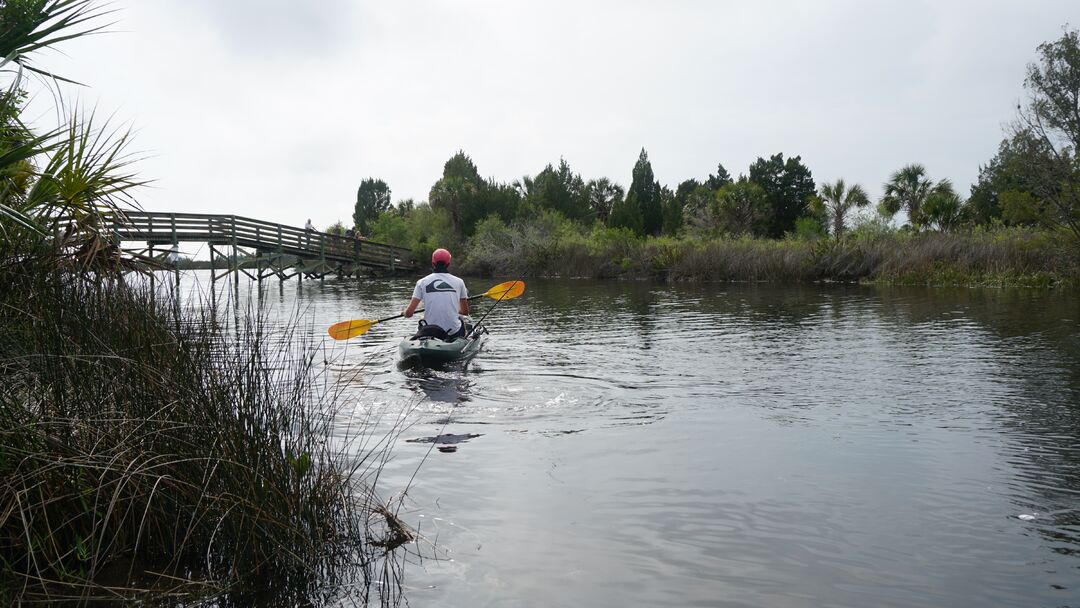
[[150, 449], [552, 246]]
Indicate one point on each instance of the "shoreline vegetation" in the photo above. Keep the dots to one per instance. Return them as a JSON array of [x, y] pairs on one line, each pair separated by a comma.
[[149, 451], [536, 240], [549, 246], [1002, 257], [153, 451]]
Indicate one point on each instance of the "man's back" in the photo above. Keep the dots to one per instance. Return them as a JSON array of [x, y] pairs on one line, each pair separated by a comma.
[[441, 293]]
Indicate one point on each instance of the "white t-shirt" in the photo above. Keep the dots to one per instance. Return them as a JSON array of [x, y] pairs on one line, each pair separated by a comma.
[[441, 293]]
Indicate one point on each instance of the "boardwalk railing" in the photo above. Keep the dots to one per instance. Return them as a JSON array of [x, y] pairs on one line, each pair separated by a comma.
[[157, 228]]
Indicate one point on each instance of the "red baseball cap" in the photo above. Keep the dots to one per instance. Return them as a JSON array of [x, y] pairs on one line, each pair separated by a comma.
[[440, 256]]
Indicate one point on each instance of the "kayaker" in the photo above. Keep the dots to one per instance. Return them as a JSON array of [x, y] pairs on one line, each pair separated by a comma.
[[443, 295]]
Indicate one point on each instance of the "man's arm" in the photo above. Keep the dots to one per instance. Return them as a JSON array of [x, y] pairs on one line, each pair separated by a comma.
[[411, 308], [463, 306]]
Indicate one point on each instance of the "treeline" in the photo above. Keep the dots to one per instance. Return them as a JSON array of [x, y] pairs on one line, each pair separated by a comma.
[[770, 202], [1032, 183]]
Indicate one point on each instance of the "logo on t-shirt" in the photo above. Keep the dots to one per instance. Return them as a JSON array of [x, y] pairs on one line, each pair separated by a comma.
[[439, 285]]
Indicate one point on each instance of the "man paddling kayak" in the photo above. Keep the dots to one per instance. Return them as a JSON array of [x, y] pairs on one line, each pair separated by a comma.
[[443, 295]]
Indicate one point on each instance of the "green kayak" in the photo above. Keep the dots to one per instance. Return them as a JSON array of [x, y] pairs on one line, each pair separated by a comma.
[[432, 351]]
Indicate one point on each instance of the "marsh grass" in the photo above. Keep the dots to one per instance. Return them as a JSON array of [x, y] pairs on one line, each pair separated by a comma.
[[995, 257], [153, 451]]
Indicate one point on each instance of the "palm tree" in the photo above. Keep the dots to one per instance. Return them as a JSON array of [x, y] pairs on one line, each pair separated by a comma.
[[836, 200], [77, 172], [741, 207], [909, 189], [944, 208], [525, 186], [602, 194]]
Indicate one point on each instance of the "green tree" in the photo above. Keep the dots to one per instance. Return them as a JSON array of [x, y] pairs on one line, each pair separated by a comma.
[[644, 193], [1052, 116], [452, 195], [1034, 182], [789, 187], [698, 209], [525, 186], [674, 205], [458, 191], [908, 189], [670, 212], [492, 198], [404, 207], [626, 214], [460, 165], [468, 199], [1008, 171], [836, 201], [687, 186], [944, 209], [602, 195], [391, 227], [742, 207], [426, 228], [1054, 85], [719, 180], [1025, 209], [559, 189], [372, 198]]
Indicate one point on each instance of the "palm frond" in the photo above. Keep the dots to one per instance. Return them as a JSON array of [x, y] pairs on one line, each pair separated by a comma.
[[88, 177], [44, 24], [19, 218]]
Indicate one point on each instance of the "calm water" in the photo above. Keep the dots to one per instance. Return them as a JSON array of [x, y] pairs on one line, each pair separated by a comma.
[[732, 445]]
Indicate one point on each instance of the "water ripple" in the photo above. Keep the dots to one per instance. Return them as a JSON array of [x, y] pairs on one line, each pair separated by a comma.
[[734, 445]]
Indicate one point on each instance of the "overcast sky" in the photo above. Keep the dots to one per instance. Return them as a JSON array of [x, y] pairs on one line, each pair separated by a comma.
[[276, 109]]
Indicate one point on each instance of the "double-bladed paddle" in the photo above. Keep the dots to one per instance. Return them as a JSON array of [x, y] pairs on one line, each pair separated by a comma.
[[358, 327]]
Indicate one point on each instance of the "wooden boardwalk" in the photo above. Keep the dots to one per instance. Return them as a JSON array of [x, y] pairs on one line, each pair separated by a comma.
[[261, 249]]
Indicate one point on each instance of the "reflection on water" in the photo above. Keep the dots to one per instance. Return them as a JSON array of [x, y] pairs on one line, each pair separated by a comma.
[[445, 438], [450, 385], [733, 445]]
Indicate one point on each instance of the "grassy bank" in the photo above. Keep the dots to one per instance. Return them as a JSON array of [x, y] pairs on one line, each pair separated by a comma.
[[549, 246], [147, 450]]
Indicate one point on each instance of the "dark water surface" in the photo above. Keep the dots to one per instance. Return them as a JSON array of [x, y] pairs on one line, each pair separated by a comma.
[[732, 445]]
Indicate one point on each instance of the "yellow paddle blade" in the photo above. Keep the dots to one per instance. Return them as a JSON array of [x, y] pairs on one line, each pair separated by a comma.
[[350, 329], [506, 291]]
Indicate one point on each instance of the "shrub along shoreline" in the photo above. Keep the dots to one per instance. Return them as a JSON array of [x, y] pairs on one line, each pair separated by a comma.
[[149, 451], [550, 246]]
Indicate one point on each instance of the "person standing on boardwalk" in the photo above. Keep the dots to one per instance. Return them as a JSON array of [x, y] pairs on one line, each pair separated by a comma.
[[308, 229], [443, 295]]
